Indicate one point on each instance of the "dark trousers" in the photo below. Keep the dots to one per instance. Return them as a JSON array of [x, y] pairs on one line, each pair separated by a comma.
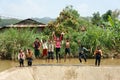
[[67, 50], [29, 61], [98, 59], [21, 61], [82, 56], [37, 53], [58, 54], [50, 55]]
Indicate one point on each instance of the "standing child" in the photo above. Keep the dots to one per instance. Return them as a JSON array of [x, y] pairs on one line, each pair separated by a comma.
[[21, 58], [98, 54], [67, 49], [36, 46], [50, 50], [45, 47], [57, 45], [29, 57]]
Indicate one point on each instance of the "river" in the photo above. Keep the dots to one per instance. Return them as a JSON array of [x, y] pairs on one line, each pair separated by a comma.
[[6, 64]]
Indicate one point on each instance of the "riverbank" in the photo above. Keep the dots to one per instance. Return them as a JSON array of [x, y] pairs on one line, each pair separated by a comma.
[[6, 64], [61, 72]]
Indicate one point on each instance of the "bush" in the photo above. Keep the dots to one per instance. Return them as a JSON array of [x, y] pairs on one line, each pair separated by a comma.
[[12, 40]]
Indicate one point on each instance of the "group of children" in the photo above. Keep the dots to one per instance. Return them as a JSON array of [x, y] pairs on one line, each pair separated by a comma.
[[48, 51], [22, 56]]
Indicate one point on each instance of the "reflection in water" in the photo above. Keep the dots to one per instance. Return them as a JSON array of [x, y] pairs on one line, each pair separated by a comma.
[[6, 64]]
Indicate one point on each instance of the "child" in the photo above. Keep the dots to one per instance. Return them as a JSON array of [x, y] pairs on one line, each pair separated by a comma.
[[97, 54], [57, 45], [50, 50], [29, 57], [67, 49], [21, 58], [36, 46], [82, 54], [45, 47]]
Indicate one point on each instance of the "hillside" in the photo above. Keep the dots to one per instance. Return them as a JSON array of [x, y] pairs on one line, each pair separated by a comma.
[[4, 22], [7, 21], [44, 20]]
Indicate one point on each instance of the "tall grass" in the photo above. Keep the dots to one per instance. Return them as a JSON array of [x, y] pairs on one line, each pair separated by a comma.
[[12, 40], [93, 37]]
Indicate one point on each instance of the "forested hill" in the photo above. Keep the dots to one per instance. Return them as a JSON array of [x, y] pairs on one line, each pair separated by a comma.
[[8, 21], [44, 20]]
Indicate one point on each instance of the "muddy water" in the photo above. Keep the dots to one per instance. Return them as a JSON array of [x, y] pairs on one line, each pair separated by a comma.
[[6, 64]]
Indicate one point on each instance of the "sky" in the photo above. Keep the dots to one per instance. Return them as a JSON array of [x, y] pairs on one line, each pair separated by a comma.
[[51, 8]]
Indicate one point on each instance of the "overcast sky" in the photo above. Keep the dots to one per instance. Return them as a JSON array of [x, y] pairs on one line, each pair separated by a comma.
[[51, 8]]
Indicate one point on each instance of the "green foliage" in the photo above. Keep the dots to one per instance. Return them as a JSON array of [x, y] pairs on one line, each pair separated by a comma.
[[115, 14], [104, 32], [96, 18], [68, 17], [111, 21], [69, 21], [116, 33], [105, 38], [4, 22], [12, 40], [106, 15], [0, 18]]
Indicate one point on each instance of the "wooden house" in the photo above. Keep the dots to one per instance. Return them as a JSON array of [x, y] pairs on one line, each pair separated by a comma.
[[25, 24]]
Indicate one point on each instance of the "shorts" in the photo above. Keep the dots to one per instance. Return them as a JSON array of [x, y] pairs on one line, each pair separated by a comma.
[[67, 50], [82, 55], [37, 53], [50, 55], [44, 52]]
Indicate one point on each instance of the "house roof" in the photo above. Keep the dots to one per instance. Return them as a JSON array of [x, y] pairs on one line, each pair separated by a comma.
[[29, 22]]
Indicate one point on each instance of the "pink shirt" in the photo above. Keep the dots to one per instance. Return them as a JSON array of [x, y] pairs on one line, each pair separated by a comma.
[[58, 44], [58, 41]]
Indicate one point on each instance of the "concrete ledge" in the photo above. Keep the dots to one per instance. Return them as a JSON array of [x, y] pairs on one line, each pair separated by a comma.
[[61, 72]]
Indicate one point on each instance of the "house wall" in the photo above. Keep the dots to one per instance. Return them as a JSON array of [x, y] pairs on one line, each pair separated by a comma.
[[38, 29]]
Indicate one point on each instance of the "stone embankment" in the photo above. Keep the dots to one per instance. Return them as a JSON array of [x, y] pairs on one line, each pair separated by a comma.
[[62, 72]]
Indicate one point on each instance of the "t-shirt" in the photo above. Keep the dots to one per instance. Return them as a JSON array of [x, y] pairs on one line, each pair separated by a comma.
[[58, 42], [37, 45], [51, 47], [21, 56], [45, 45], [82, 50]]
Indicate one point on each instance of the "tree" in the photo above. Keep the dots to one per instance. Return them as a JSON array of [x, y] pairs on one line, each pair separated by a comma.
[[0, 18], [106, 15], [115, 14], [96, 18], [68, 17]]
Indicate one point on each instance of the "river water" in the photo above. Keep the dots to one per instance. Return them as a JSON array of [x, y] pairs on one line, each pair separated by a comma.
[[6, 64]]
